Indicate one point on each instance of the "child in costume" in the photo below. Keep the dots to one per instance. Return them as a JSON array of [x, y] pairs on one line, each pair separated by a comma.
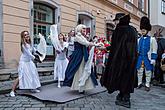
[[147, 53]]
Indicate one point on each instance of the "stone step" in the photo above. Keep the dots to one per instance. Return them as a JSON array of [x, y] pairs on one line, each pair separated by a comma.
[[46, 64], [5, 86], [11, 74]]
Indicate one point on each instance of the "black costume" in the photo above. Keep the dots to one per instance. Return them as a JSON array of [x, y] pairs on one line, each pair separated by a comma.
[[120, 71], [158, 72]]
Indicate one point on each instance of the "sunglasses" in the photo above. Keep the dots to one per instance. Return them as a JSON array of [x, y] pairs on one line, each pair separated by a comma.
[[26, 34]]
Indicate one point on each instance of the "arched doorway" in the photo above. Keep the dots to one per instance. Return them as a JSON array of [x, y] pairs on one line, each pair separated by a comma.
[[44, 15], [109, 30], [88, 20]]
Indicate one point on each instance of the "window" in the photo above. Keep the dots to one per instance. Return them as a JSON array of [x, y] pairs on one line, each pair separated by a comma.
[[141, 5], [109, 31], [88, 21], [163, 6], [43, 18]]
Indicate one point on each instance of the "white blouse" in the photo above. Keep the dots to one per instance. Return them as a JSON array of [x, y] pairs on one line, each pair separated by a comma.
[[27, 53]]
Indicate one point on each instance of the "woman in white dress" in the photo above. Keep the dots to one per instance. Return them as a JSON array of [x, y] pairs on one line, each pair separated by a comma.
[[61, 60], [28, 77]]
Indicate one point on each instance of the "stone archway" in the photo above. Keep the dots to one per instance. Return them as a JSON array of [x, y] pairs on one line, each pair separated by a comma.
[[88, 20]]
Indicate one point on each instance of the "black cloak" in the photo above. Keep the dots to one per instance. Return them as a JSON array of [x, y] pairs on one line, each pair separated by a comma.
[[120, 72]]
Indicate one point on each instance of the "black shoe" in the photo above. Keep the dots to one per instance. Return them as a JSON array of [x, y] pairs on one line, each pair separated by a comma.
[[119, 97], [83, 92], [147, 88], [123, 103], [140, 86]]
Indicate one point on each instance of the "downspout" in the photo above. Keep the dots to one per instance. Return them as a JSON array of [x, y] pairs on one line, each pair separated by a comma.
[[149, 9]]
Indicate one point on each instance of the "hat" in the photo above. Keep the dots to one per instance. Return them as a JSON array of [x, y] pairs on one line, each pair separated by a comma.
[[118, 16], [125, 20], [145, 23]]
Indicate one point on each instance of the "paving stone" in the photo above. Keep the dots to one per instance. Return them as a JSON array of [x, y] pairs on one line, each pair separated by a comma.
[[45, 108], [32, 108], [71, 108]]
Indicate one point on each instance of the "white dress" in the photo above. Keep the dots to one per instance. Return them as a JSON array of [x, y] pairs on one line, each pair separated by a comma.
[[60, 65], [27, 71]]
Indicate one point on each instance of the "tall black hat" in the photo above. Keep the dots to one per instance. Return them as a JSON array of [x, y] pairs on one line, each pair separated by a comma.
[[145, 23], [118, 16]]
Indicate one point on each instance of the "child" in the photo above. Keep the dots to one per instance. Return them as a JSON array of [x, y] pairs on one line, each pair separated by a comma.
[[147, 53], [27, 73]]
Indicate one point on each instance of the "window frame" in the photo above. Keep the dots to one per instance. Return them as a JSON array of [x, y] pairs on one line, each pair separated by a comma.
[[43, 26], [163, 6], [141, 4], [131, 1]]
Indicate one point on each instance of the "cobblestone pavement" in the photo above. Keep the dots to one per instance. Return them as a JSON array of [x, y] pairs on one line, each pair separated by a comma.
[[141, 100]]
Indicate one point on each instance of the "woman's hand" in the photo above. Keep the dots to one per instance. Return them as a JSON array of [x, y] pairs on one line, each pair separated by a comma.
[[58, 52], [91, 44]]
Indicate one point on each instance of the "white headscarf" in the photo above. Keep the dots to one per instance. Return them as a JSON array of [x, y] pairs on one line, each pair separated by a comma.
[[54, 37], [79, 28]]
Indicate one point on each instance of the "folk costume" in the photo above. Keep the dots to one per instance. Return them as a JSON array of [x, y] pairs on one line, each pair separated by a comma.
[[120, 70], [147, 53], [78, 74]]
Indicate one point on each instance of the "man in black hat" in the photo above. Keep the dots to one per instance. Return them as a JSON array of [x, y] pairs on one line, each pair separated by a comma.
[[120, 70], [147, 53], [117, 17]]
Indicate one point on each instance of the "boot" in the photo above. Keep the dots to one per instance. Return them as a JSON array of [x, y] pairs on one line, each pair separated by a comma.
[[148, 80], [59, 85], [125, 102], [119, 97], [140, 75]]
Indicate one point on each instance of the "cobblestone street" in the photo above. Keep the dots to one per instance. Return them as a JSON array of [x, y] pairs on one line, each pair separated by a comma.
[[141, 100]]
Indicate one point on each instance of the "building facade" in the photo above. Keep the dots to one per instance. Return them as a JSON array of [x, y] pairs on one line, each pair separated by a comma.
[[157, 15], [36, 16]]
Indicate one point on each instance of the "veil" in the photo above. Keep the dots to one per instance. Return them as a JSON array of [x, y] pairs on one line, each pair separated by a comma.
[[54, 37], [41, 47]]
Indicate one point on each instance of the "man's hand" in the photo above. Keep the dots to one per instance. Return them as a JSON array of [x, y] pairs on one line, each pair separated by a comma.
[[153, 62]]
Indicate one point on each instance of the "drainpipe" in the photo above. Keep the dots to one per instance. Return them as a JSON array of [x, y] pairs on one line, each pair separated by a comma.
[[149, 9]]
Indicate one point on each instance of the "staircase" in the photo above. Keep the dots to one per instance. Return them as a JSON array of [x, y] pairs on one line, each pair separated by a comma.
[[45, 64]]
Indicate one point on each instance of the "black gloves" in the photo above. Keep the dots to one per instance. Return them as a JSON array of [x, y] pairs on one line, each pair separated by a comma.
[[39, 53], [37, 59]]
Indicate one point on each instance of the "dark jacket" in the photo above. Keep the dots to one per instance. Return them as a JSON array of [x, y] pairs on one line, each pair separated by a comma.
[[120, 71]]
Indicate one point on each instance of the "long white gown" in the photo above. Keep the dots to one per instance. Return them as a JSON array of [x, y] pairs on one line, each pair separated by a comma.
[[60, 65], [27, 71]]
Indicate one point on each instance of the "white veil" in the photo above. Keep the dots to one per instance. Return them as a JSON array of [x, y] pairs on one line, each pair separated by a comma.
[[41, 47], [54, 37]]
